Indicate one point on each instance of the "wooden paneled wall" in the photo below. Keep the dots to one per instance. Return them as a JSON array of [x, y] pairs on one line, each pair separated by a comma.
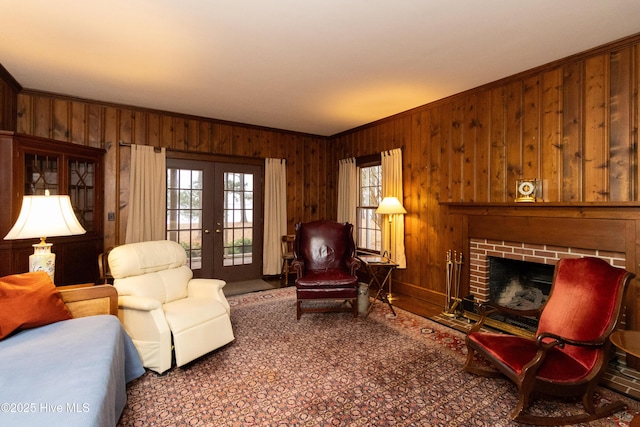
[[311, 179], [9, 89], [572, 124]]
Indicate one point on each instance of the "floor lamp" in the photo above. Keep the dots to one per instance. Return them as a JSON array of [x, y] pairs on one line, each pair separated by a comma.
[[42, 217], [390, 206]]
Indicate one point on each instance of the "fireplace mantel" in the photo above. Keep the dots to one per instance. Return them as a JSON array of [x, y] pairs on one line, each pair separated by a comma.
[[592, 225]]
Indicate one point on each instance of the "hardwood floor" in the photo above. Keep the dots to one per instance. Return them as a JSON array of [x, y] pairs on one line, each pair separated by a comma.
[[416, 306]]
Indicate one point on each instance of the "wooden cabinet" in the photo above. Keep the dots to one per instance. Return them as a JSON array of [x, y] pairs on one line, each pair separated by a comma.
[[29, 166]]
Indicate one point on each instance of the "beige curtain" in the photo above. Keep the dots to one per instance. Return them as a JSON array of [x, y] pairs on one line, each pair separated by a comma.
[[275, 214], [347, 191], [393, 240], [147, 195]]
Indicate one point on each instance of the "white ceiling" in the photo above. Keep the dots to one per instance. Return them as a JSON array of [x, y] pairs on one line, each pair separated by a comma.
[[315, 66]]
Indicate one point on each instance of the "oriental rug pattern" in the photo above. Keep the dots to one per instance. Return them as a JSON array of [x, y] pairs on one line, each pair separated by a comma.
[[329, 369]]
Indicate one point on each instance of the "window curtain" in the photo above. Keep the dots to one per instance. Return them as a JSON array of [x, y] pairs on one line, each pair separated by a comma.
[[147, 195], [347, 191], [393, 241], [275, 214]]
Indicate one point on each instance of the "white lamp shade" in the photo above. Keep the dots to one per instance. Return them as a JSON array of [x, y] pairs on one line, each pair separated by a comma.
[[390, 206], [45, 216]]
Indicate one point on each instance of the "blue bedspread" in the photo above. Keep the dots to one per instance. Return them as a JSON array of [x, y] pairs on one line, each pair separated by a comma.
[[70, 373]]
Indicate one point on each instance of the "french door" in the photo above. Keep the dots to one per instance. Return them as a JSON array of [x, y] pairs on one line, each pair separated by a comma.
[[214, 210]]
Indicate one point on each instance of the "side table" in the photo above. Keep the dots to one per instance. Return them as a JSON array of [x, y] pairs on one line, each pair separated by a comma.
[[629, 342], [378, 267]]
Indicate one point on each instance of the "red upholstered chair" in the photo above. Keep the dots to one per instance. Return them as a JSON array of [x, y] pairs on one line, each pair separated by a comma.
[[325, 264], [571, 348]]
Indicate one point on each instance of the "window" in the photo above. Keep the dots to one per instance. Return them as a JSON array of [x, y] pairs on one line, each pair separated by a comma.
[[370, 194]]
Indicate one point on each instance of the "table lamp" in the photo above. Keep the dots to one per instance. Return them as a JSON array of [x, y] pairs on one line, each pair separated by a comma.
[[42, 217]]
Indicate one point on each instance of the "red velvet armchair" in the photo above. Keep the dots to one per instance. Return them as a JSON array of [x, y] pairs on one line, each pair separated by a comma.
[[571, 348], [325, 265]]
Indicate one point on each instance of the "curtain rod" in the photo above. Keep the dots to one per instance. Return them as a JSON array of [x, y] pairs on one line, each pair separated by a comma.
[[389, 151], [128, 144], [159, 149]]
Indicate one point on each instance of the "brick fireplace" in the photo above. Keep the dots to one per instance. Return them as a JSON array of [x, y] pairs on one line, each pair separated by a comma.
[[550, 231], [481, 249]]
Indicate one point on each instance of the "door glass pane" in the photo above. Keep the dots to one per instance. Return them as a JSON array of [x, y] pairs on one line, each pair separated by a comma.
[[184, 212], [238, 218]]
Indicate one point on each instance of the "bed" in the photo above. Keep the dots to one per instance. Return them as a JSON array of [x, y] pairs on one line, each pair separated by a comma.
[[71, 372]]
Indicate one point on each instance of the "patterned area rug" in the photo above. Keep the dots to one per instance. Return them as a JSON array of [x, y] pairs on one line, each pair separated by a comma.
[[329, 369]]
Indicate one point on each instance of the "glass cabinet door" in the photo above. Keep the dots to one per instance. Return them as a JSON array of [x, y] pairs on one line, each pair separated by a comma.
[[81, 188], [41, 174], [72, 176]]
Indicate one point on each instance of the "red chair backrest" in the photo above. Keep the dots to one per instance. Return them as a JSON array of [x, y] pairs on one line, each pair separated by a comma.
[[324, 245], [585, 302]]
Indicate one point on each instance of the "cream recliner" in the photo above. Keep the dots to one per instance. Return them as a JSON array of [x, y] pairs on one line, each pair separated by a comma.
[[158, 300]]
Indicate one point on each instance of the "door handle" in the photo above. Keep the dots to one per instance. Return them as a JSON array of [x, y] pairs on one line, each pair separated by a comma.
[[206, 232], [217, 230]]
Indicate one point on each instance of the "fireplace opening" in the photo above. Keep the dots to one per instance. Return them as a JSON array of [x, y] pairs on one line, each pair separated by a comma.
[[519, 285]]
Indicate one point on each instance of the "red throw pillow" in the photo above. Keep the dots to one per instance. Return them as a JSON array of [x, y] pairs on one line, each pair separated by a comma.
[[29, 300]]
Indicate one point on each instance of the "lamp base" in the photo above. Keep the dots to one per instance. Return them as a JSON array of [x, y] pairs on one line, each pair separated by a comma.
[[43, 260]]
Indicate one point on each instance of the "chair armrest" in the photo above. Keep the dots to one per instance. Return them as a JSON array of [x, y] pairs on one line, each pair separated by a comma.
[[488, 308], [138, 303], [545, 338], [205, 288], [298, 265], [90, 300], [545, 342], [353, 264], [208, 288]]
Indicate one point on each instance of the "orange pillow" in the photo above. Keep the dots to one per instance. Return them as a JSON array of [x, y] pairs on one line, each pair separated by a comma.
[[29, 300]]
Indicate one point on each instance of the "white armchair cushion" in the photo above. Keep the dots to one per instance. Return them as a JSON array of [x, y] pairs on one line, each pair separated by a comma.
[[146, 257], [186, 313], [163, 286]]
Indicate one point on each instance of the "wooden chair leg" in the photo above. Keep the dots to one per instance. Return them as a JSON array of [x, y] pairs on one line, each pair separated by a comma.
[[286, 273]]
